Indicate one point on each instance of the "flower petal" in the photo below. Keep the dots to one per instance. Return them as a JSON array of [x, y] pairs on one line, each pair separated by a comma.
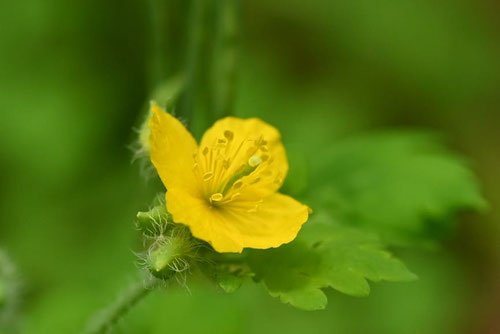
[[230, 229], [244, 133], [172, 149]]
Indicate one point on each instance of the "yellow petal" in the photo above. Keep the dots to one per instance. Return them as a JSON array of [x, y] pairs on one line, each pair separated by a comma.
[[172, 149], [248, 138], [232, 228]]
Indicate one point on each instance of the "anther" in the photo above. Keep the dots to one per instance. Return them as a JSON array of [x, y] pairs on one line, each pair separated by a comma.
[[207, 176], [221, 142], [261, 141], [217, 197], [254, 161], [205, 151], [229, 135]]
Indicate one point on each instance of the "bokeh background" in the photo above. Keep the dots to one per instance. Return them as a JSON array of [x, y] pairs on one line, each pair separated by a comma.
[[74, 79]]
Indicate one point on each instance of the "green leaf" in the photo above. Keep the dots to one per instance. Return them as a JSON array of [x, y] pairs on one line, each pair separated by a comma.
[[230, 279], [325, 255], [403, 185], [229, 271], [229, 276]]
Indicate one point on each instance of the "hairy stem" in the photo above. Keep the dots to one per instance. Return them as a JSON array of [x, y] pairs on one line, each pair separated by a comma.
[[107, 318]]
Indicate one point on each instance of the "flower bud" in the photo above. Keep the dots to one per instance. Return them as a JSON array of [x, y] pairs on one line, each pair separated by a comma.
[[172, 253], [154, 222]]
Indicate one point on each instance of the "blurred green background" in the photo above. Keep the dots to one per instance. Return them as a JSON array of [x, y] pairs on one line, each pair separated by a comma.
[[74, 77]]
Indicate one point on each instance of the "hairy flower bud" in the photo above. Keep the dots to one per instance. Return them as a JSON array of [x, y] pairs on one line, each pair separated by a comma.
[[154, 221], [172, 253]]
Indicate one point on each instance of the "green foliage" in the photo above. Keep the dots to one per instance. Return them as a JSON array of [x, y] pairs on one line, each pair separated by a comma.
[[231, 276], [405, 186], [325, 255]]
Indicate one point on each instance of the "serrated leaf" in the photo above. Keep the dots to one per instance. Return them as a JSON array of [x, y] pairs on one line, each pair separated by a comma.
[[405, 186], [325, 255]]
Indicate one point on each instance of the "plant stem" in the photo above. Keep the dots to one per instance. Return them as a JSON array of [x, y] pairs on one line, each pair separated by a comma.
[[225, 56], [157, 13], [108, 317], [210, 62], [189, 107]]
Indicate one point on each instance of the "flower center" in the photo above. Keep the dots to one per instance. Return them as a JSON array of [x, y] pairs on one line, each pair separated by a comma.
[[230, 166]]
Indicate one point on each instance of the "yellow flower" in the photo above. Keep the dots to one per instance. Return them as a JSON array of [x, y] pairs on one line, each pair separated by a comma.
[[225, 189]]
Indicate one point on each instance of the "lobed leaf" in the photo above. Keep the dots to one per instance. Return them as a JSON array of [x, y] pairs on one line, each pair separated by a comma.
[[325, 255], [405, 186]]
